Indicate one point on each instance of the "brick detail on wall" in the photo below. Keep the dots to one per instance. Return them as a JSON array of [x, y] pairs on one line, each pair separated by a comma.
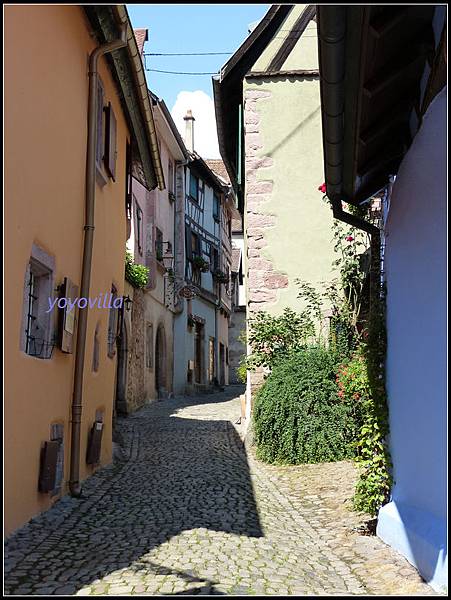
[[263, 280]]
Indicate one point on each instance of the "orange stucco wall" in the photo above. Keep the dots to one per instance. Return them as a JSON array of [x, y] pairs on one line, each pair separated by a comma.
[[46, 93]]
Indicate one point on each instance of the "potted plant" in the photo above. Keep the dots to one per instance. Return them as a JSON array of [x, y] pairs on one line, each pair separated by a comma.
[[201, 263], [220, 276]]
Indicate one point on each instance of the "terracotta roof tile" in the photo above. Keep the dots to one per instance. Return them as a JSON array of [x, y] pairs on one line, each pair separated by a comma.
[[141, 36], [237, 225], [218, 168], [236, 260]]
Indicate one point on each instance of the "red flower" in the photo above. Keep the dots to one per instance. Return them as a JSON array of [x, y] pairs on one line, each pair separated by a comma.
[[349, 238], [341, 394], [322, 188]]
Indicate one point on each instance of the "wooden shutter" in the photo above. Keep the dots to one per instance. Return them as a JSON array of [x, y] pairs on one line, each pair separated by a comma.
[[94, 444], [110, 145], [49, 460], [100, 132], [67, 317]]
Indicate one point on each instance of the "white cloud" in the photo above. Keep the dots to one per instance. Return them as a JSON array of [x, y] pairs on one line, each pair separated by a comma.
[[202, 107]]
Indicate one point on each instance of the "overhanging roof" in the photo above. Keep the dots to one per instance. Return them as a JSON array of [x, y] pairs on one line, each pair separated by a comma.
[[127, 70], [228, 85], [372, 60]]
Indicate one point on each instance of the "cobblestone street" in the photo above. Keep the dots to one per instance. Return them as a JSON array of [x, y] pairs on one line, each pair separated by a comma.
[[185, 509]]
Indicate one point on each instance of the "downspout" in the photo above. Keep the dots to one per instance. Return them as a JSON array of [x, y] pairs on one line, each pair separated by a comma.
[[77, 399]]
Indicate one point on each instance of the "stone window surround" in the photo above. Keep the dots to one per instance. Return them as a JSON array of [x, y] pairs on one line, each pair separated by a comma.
[[42, 263]]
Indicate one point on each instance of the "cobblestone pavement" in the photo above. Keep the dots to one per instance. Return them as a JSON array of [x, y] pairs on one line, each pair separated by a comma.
[[185, 509]]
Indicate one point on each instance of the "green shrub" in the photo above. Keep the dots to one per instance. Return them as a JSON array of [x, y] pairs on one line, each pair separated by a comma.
[[242, 371], [271, 337], [136, 275], [298, 415]]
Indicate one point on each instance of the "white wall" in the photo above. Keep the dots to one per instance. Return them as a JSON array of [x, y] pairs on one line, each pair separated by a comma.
[[414, 522]]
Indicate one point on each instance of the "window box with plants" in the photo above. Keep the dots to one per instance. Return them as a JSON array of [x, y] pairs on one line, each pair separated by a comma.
[[201, 263], [220, 276], [137, 275]]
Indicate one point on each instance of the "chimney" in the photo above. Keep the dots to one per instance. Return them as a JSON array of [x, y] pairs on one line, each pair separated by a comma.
[[189, 132]]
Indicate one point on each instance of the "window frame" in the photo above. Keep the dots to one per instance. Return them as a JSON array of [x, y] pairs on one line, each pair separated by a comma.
[[216, 207], [40, 270], [139, 226], [196, 179]]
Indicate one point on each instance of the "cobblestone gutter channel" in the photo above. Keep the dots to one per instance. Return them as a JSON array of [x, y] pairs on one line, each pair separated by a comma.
[[186, 509]]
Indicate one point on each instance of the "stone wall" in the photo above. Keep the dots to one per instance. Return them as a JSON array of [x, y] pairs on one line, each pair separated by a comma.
[[136, 393], [263, 280]]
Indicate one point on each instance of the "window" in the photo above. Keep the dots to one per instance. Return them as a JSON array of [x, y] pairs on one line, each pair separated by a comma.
[[194, 188], [139, 227], [106, 144], [158, 244], [211, 360], [216, 205], [195, 244], [110, 141], [171, 177], [149, 346], [112, 324], [38, 316], [214, 259]]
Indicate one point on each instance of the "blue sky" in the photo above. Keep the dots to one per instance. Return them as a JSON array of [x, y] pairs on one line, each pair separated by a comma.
[[192, 28]]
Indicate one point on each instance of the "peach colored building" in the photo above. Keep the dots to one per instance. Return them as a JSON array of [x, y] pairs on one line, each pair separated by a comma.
[[72, 142]]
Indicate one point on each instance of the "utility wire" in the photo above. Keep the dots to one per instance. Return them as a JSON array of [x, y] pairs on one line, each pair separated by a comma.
[[187, 53], [182, 73]]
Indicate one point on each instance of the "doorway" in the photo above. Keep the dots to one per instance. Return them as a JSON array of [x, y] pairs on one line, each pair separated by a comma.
[[121, 376], [160, 362], [198, 351], [221, 364]]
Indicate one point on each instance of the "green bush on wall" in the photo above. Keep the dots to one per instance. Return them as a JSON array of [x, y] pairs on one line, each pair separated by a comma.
[[298, 415]]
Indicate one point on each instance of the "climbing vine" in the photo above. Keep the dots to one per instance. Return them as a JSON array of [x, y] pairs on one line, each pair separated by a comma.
[[373, 487], [362, 377]]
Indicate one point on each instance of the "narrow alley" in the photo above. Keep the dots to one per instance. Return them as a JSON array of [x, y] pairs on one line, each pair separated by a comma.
[[185, 508]]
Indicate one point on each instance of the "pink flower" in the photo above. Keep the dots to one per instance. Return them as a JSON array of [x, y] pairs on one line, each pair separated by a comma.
[[322, 188], [349, 238]]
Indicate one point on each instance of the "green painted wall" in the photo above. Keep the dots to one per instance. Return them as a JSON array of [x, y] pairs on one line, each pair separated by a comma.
[[300, 243]]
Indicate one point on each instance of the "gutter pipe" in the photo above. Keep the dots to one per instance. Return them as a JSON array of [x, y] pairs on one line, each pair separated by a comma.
[[77, 399], [140, 81], [331, 49]]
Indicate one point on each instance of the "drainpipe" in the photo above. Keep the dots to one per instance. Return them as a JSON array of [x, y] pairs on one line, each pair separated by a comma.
[[77, 399], [179, 233]]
